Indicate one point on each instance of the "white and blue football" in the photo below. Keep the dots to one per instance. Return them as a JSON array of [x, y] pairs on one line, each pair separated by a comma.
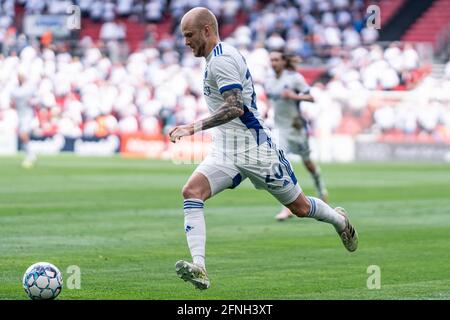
[[42, 281]]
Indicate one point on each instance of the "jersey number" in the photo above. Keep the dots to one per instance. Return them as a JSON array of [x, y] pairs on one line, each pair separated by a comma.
[[277, 172]]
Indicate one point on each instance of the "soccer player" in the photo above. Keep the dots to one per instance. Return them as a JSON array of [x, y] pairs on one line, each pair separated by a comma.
[[286, 89], [242, 147], [21, 98]]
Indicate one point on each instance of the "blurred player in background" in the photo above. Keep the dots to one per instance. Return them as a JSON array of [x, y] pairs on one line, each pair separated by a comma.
[[22, 97], [231, 99], [286, 90]]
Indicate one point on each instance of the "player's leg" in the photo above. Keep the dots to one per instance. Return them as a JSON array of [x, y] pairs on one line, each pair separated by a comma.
[[311, 207], [285, 213], [281, 182], [305, 152], [195, 192], [207, 180], [25, 128], [300, 145], [30, 156], [314, 170]]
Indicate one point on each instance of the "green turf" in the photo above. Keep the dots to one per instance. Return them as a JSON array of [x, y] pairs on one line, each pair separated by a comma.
[[121, 222]]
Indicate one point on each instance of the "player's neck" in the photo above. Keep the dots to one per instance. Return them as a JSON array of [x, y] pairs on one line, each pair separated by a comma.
[[279, 73]]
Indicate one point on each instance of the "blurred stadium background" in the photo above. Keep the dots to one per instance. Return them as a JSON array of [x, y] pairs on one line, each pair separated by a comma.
[[120, 81], [105, 196]]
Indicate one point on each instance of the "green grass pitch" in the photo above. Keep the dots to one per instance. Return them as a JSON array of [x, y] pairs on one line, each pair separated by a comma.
[[121, 221]]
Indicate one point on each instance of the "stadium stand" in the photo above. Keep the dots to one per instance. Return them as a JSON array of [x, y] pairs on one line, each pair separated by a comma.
[[430, 24], [142, 79]]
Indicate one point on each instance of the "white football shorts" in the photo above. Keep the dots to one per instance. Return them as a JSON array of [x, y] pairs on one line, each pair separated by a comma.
[[265, 166]]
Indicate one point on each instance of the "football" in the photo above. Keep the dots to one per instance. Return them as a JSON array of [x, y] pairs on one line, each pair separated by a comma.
[[42, 281]]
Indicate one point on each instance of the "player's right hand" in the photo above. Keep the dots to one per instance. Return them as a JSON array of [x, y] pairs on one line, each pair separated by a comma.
[[180, 131]]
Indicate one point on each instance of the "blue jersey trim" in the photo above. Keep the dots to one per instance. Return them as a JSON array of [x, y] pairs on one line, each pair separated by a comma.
[[218, 50], [236, 181], [257, 130], [287, 165], [230, 87]]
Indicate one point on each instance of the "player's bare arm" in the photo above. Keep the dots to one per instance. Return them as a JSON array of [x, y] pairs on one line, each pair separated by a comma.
[[231, 109], [289, 94]]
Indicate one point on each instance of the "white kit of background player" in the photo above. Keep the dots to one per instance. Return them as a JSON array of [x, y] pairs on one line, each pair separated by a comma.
[[286, 89]]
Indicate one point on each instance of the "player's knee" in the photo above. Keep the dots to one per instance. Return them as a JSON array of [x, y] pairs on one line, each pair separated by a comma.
[[188, 192], [191, 192], [300, 207], [301, 211]]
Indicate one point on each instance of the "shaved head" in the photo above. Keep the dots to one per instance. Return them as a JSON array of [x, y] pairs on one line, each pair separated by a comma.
[[200, 17], [201, 31]]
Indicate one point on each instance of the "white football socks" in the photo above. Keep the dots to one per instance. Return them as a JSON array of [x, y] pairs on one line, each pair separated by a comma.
[[29, 154], [194, 225], [321, 211]]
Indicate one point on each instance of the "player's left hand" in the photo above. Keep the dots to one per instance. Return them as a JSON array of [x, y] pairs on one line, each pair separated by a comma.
[[297, 123], [181, 131]]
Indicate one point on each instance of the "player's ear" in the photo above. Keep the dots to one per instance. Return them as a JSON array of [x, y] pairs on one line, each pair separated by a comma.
[[207, 30]]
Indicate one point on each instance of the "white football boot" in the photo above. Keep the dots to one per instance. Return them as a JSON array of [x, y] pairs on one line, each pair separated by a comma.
[[349, 235], [29, 161], [192, 273]]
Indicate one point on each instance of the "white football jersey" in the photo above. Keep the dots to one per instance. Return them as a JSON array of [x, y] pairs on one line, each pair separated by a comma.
[[227, 69], [285, 110], [22, 96]]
